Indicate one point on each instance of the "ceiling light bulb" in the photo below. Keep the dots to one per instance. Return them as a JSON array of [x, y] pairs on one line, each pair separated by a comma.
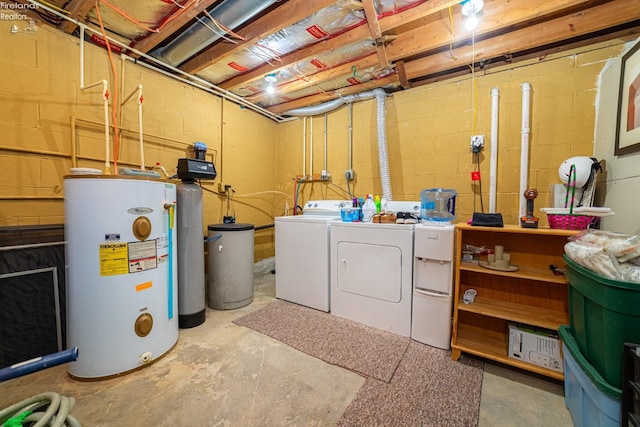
[[471, 7], [270, 89], [471, 23]]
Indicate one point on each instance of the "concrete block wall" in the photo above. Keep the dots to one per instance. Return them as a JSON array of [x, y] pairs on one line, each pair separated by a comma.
[[41, 102], [429, 129]]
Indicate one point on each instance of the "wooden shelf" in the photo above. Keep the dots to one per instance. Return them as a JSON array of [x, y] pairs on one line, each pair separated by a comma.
[[532, 296], [516, 229], [521, 313], [525, 272], [495, 348]]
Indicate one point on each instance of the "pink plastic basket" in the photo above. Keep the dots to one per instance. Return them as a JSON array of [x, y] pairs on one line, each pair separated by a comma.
[[570, 222]]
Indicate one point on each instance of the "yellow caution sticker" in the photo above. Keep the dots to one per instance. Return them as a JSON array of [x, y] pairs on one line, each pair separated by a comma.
[[114, 259]]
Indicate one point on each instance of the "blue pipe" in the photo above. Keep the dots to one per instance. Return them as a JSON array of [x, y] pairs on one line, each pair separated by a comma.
[[38, 364], [170, 291]]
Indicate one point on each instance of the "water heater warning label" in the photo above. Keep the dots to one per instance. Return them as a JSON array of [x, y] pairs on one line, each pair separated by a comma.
[[142, 256], [113, 259]]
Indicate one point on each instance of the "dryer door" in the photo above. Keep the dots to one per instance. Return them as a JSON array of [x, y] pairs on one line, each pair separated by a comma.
[[370, 270]]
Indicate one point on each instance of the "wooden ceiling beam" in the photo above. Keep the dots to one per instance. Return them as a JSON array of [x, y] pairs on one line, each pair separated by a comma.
[[289, 13], [154, 39], [387, 23], [316, 79], [415, 42], [437, 34], [375, 32], [614, 13], [323, 97], [497, 16], [78, 10]]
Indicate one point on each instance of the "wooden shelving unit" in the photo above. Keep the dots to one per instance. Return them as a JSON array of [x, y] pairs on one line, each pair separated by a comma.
[[533, 295]]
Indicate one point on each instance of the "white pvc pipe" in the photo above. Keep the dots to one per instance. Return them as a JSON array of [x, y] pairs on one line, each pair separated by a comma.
[[190, 79], [524, 148], [140, 99], [311, 148], [495, 96], [325, 144], [105, 99], [304, 146], [350, 138]]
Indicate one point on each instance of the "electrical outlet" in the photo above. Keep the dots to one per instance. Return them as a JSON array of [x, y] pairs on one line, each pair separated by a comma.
[[477, 143], [350, 175], [222, 188]]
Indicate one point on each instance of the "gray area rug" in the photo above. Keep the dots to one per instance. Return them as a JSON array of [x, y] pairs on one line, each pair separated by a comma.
[[407, 383], [368, 351]]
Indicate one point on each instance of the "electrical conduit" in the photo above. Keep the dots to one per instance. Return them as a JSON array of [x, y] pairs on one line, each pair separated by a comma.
[[380, 95]]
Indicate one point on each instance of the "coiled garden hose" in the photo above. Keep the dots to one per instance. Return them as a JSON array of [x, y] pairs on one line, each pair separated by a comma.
[[31, 409]]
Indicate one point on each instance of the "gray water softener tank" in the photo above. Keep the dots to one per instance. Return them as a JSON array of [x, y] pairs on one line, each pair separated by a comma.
[[230, 265], [191, 283]]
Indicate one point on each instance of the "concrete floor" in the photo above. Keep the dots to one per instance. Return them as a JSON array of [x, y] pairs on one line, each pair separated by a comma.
[[220, 374]]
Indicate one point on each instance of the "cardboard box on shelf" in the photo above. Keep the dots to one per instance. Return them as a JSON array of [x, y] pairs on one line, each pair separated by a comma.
[[538, 346]]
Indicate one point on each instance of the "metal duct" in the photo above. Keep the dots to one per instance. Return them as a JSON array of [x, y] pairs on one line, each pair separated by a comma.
[[230, 13], [380, 95]]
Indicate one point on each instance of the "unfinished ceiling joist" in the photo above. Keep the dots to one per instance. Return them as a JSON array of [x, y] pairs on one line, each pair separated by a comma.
[[418, 38]]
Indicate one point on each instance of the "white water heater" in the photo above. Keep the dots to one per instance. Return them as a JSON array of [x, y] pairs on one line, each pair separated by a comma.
[[121, 272]]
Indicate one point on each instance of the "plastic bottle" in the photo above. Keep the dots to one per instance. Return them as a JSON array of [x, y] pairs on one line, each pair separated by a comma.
[[368, 209], [378, 203]]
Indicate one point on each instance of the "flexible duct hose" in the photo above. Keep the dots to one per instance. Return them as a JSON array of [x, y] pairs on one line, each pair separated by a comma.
[[380, 95], [55, 415], [383, 160]]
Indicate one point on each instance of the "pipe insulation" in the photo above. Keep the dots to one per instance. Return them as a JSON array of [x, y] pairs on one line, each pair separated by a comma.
[[524, 148], [493, 164], [379, 95]]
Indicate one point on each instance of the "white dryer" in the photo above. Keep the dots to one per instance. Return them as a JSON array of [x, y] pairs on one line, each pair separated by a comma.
[[372, 270], [302, 253]]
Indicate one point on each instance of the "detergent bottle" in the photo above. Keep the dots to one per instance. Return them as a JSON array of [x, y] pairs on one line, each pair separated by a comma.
[[368, 209]]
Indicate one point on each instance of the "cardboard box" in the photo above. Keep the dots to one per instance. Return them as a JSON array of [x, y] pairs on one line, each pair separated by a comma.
[[538, 346]]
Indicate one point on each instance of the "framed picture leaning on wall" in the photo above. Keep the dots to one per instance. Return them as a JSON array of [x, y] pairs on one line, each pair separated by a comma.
[[628, 129]]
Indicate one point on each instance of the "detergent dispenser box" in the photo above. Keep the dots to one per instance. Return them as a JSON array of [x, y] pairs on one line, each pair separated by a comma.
[[538, 346]]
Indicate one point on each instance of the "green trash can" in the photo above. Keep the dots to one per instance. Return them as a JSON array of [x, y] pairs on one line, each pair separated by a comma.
[[604, 314]]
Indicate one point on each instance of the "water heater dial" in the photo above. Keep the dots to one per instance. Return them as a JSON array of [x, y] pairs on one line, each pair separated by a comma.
[[141, 228]]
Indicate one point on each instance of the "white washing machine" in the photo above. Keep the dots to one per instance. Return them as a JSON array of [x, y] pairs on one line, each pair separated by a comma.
[[433, 284], [372, 270], [302, 253]]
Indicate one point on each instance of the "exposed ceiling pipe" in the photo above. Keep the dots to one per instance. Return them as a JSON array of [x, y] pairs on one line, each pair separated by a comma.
[[162, 68], [231, 13], [380, 96]]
